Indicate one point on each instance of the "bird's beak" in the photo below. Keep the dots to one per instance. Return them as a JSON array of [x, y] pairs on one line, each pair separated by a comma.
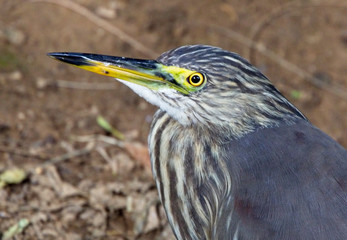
[[147, 73]]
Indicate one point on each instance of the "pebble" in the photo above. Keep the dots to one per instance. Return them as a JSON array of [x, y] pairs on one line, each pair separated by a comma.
[[14, 36], [41, 83], [143, 105], [15, 76], [106, 12], [21, 116]]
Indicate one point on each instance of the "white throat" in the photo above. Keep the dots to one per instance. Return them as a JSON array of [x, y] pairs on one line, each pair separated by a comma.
[[154, 98]]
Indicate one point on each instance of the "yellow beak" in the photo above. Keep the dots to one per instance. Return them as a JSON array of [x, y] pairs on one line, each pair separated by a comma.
[[147, 73]]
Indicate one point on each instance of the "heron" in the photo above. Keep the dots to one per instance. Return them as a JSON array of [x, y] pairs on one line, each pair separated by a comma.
[[232, 158]]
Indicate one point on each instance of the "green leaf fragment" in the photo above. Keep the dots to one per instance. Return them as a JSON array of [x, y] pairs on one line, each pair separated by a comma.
[[12, 176], [107, 127], [295, 94], [16, 228]]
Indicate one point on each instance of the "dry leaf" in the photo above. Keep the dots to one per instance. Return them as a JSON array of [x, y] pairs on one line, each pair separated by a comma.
[[139, 152]]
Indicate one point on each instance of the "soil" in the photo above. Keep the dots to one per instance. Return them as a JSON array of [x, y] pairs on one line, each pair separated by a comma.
[[81, 182]]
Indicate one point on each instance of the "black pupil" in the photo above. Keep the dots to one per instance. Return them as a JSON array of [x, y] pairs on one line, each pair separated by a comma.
[[195, 79]]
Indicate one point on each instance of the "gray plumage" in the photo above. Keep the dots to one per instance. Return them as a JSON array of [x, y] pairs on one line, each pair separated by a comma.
[[251, 168]]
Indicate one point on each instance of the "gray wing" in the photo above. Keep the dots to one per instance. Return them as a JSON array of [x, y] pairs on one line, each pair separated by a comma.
[[289, 182]]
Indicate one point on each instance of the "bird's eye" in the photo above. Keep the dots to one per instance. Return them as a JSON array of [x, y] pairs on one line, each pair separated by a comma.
[[196, 79]]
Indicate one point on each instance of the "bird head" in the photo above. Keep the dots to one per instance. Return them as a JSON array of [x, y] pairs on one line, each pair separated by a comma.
[[197, 85]]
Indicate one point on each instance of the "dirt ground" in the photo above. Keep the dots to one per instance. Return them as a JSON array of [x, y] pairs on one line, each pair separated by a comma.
[[79, 182]]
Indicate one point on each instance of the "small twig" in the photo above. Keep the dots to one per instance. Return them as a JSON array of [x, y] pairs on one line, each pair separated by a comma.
[[102, 138], [104, 154], [277, 13], [85, 85], [69, 155], [103, 24], [50, 160], [22, 153], [108, 159], [259, 26], [335, 89], [48, 209]]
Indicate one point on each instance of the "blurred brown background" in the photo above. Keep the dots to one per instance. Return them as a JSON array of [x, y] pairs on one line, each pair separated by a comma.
[[82, 183]]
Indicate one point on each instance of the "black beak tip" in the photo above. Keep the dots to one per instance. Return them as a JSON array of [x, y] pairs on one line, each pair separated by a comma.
[[57, 54], [71, 58]]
